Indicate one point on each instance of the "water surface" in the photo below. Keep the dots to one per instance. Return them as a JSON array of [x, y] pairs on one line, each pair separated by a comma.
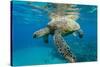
[[29, 51]]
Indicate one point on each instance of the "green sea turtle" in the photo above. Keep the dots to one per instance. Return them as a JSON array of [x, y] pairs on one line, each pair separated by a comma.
[[61, 25]]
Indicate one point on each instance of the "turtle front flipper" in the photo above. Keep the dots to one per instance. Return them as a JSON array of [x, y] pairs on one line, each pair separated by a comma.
[[41, 32], [63, 47]]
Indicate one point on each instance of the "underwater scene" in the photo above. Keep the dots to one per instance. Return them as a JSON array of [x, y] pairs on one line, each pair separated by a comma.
[[52, 33]]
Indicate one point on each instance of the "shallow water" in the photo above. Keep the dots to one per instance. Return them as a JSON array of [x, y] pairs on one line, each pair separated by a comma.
[[29, 51]]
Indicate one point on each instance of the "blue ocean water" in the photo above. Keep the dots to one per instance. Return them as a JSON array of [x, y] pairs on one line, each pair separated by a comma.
[[29, 51]]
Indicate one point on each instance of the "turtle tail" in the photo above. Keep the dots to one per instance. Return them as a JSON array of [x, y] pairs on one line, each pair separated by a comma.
[[41, 32]]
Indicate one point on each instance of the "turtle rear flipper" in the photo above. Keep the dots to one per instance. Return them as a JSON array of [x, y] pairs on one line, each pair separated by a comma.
[[79, 32], [63, 47], [41, 32]]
